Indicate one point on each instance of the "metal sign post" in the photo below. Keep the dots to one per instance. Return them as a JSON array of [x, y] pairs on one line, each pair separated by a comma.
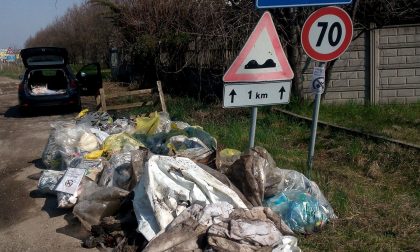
[[253, 127], [326, 35], [318, 86]]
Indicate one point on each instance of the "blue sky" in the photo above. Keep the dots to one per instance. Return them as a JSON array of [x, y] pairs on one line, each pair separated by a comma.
[[23, 18]]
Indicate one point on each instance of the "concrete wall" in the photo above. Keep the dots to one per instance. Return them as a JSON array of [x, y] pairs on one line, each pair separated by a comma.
[[399, 64], [380, 66]]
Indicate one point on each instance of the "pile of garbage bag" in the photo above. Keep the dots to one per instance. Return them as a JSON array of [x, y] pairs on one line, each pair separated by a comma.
[[155, 184]]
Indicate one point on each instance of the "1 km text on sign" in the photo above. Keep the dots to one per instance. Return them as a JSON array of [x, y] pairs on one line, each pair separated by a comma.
[[256, 94]]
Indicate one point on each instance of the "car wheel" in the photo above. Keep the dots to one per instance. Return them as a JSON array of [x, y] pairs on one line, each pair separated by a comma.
[[78, 107], [25, 111]]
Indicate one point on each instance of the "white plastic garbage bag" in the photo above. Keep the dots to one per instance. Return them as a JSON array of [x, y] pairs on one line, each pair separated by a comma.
[[168, 186]]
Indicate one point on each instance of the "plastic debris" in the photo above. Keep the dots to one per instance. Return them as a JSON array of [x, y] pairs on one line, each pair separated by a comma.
[[49, 180], [301, 212], [178, 203], [121, 142], [154, 123], [168, 186]]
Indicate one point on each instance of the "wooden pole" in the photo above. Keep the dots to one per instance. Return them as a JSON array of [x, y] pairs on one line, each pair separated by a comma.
[[161, 96]]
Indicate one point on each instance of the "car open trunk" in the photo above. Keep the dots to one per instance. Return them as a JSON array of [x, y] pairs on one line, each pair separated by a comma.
[[47, 82]]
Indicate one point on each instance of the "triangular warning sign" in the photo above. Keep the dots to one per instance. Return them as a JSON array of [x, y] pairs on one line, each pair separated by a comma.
[[262, 58]]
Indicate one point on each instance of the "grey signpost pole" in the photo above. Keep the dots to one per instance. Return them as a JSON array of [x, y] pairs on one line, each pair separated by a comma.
[[253, 127], [314, 126]]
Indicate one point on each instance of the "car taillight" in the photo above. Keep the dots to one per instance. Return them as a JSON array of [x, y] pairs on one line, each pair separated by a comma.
[[73, 84], [20, 88]]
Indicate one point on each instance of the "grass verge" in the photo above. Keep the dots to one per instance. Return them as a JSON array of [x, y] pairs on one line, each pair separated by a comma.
[[398, 121], [11, 70]]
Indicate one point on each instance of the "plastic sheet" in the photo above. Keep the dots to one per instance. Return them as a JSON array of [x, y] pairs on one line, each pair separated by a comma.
[[301, 212], [168, 186]]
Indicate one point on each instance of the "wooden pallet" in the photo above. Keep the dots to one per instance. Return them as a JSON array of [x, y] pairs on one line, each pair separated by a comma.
[[101, 104]]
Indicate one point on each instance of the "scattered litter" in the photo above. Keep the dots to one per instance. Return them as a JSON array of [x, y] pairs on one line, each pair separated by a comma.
[[146, 183]]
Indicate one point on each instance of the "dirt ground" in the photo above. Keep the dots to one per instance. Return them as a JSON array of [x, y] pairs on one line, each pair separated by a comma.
[[29, 221]]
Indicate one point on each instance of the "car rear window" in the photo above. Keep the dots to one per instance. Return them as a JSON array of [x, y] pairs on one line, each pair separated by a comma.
[[42, 60]]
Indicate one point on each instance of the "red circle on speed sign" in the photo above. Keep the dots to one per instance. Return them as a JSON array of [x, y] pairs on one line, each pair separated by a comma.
[[327, 33]]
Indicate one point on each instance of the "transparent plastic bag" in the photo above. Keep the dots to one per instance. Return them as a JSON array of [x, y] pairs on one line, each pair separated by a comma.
[[67, 200], [294, 180], [192, 148], [96, 203], [154, 123], [101, 120], [178, 125], [301, 211], [51, 156], [121, 125], [225, 158], [67, 142], [93, 167], [121, 142], [49, 180], [119, 172], [204, 136]]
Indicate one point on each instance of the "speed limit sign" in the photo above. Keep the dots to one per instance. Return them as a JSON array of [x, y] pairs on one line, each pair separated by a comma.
[[327, 33]]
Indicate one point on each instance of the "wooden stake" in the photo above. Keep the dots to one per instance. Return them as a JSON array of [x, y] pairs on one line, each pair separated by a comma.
[[161, 96]]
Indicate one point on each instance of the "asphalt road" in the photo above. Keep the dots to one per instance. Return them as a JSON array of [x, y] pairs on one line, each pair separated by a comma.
[[29, 221]]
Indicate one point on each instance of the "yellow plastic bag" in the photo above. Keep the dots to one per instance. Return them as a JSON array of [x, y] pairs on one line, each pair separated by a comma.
[[82, 113], [121, 141], [147, 125], [94, 154], [228, 153]]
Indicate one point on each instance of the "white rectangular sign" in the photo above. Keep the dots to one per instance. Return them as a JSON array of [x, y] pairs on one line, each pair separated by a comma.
[[318, 80], [256, 94], [71, 180]]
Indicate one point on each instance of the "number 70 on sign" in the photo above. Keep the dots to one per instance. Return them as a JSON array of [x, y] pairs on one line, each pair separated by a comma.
[[327, 33]]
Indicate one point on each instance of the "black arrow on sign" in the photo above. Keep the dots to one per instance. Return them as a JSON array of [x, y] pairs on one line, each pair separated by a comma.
[[282, 90], [232, 94]]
